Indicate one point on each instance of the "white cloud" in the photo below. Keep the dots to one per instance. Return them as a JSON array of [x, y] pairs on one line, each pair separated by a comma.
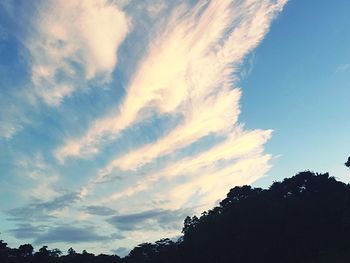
[[73, 36], [213, 185], [235, 149], [189, 68], [215, 115]]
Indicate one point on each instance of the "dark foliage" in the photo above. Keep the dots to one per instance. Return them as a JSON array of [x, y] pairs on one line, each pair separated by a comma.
[[305, 218], [347, 164]]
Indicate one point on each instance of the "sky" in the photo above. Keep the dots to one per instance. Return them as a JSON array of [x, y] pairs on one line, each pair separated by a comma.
[[121, 117]]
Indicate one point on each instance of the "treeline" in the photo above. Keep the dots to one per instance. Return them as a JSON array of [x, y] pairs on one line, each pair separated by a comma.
[[305, 218]]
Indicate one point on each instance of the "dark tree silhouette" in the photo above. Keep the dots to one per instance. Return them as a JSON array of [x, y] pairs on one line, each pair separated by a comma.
[[25, 250], [347, 164], [3, 251], [71, 252]]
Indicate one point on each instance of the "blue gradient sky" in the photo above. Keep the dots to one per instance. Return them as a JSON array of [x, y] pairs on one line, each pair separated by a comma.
[[300, 86], [119, 118]]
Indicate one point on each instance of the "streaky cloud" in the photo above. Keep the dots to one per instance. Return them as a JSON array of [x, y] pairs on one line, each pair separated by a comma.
[[146, 219], [99, 210], [72, 234], [27, 231], [44, 211], [232, 149], [189, 68], [207, 188]]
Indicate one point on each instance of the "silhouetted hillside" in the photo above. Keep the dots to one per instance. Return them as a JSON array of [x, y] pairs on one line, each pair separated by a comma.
[[305, 218]]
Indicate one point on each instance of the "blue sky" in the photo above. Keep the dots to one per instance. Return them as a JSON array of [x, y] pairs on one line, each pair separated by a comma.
[[306, 100], [119, 118]]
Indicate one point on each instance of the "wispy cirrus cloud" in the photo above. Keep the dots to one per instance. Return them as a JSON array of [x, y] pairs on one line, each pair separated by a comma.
[[207, 188], [72, 42], [65, 45], [189, 68], [238, 146], [189, 71]]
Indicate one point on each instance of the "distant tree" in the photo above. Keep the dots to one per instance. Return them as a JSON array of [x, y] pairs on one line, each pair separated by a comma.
[[4, 251], [43, 251], [42, 256], [55, 253], [102, 258], [3, 245], [347, 164], [144, 252], [86, 257], [71, 252], [189, 224], [25, 250]]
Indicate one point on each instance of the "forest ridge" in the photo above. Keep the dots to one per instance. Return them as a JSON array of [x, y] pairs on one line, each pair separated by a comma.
[[305, 218]]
